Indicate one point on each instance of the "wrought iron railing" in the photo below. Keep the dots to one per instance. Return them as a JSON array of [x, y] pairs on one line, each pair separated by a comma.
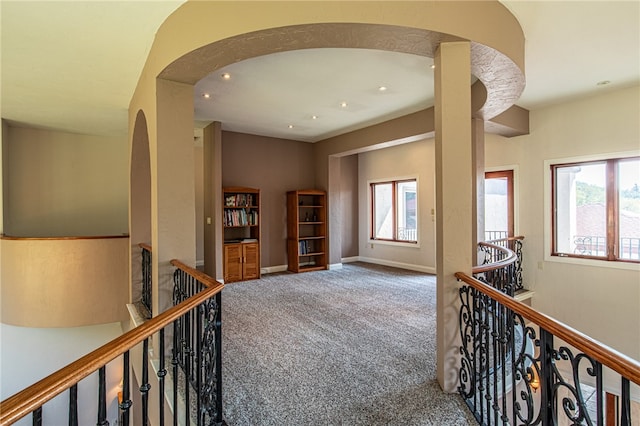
[[197, 343], [146, 278], [593, 245], [407, 234], [200, 307], [500, 264], [519, 366]]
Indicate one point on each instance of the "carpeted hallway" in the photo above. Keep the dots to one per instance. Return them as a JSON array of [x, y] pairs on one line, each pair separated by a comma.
[[354, 346]]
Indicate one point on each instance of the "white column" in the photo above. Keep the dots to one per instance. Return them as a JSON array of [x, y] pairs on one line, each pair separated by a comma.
[[454, 198]]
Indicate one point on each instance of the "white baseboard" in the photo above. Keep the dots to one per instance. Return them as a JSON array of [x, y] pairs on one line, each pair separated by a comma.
[[350, 259], [401, 265], [335, 266]]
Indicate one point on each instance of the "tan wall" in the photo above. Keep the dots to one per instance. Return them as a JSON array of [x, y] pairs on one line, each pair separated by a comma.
[[416, 159], [64, 282], [275, 166], [63, 184], [349, 205], [599, 301]]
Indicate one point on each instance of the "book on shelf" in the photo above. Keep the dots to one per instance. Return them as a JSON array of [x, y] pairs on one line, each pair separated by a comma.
[[305, 247], [238, 200], [240, 217]]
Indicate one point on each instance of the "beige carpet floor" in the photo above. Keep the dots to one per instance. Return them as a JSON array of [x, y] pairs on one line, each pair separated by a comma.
[[354, 346]]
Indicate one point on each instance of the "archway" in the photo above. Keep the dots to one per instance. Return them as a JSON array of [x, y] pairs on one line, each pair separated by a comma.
[[139, 202], [201, 37]]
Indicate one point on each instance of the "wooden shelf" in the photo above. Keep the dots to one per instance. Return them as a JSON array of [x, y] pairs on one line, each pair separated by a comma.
[[241, 233], [306, 230]]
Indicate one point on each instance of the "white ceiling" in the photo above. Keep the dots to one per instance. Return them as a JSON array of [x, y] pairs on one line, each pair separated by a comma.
[[73, 66]]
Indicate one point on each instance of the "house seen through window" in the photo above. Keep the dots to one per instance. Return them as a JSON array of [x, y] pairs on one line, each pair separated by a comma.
[[596, 209], [394, 211]]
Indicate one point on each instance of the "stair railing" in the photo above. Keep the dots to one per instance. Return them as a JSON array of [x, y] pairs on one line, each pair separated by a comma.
[[519, 366], [202, 307]]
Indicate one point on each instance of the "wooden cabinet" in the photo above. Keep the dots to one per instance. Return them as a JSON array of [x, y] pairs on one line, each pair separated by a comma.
[[241, 226], [241, 262], [307, 230]]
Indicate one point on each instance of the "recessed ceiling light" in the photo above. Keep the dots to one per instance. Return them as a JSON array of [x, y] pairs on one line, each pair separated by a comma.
[[226, 76], [433, 66], [382, 88], [343, 104], [206, 95], [291, 126], [314, 117], [603, 83]]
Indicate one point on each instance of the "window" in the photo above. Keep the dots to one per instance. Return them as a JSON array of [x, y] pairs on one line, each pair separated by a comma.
[[498, 205], [596, 209], [394, 211]]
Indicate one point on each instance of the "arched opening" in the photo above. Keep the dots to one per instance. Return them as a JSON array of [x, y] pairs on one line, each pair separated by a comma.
[[492, 53], [139, 202]]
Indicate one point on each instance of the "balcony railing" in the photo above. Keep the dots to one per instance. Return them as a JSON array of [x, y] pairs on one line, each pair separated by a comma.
[[197, 313], [519, 366], [592, 245]]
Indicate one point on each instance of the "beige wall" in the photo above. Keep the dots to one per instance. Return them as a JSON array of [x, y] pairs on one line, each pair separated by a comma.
[[598, 300], [63, 184], [64, 282], [274, 166], [416, 159]]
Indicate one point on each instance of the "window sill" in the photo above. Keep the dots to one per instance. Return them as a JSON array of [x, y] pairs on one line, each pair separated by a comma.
[[393, 243], [629, 266]]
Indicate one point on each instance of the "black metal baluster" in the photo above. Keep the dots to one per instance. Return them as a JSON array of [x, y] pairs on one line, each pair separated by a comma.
[[218, 357], [625, 399], [199, 368], [73, 405], [102, 398], [187, 367], [36, 417], [494, 370], [126, 403], [144, 388], [162, 372], [546, 377], [487, 382], [174, 362], [599, 395]]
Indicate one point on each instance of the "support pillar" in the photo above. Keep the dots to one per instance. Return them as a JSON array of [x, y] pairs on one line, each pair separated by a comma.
[[213, 241], [172, 188], [454, 198], [477, 137]]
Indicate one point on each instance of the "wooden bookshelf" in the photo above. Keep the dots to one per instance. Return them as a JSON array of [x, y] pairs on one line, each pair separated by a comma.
[[307, 230], [241, 230]]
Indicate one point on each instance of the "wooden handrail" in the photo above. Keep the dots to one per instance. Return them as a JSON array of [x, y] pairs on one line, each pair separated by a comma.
[[620, 363], [198, 275], [147, 247], [81, 237], [510, 258], [24, 402]]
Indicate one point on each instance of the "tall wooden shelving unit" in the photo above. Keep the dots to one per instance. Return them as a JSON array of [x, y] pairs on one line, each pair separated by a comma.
[[241, 230], [307, 230]]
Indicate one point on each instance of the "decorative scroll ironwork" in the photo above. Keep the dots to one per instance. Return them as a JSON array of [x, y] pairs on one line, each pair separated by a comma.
[[512, 373], [197, 351], [146, 279]]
